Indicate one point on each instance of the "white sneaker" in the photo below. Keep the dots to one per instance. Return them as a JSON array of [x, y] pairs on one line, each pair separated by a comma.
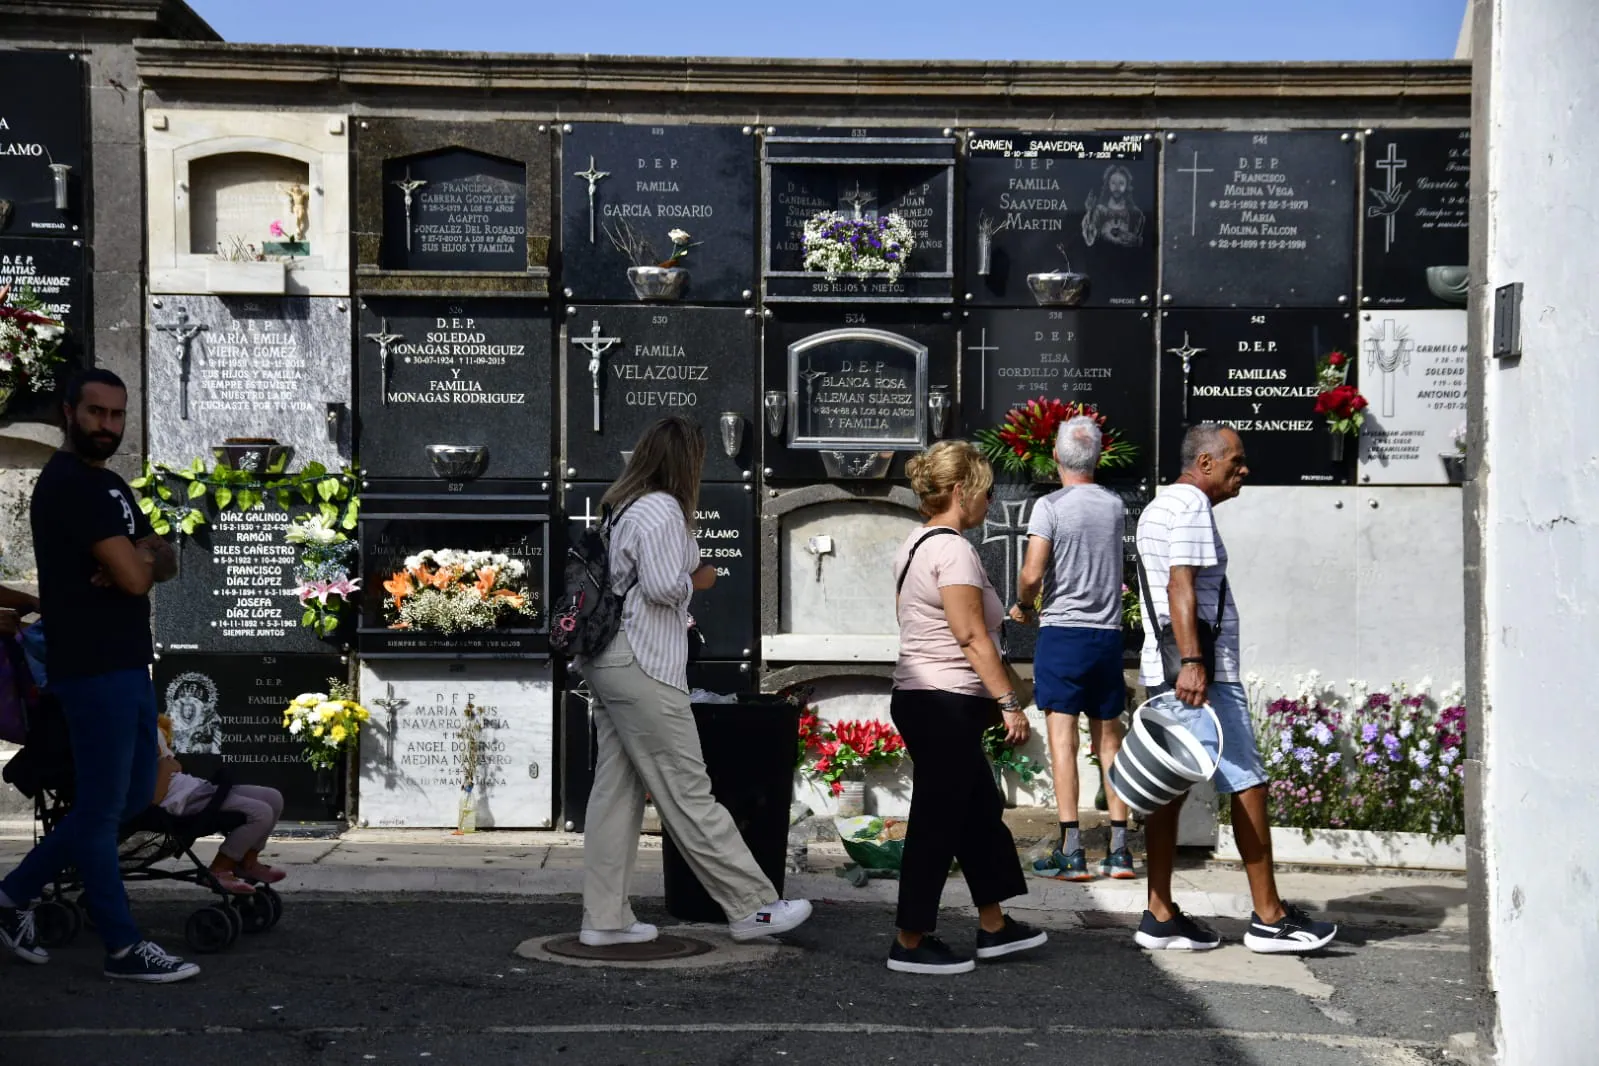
[[637, 933], [777, 917]]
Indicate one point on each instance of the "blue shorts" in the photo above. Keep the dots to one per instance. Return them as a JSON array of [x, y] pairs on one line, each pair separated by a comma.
[[1078, 670], [1239, 768]]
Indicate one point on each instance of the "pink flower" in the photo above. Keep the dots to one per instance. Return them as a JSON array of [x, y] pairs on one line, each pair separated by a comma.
[[276, 229]]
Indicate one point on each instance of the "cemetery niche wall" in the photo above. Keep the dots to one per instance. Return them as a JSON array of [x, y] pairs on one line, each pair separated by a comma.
[[452, 208], [628, 366], [248, 202], [42, 120], [628, 189], [1417, 203], [455, 390], [858, 176], [1061, 218]]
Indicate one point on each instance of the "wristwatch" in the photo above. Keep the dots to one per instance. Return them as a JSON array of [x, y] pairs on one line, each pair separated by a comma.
[[1197, 660]]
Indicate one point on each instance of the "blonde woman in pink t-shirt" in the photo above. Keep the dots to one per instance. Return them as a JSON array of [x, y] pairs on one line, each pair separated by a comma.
[[948, 684]]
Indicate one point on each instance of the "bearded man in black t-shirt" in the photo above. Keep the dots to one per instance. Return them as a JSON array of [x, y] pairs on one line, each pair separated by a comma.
[[97, 560]]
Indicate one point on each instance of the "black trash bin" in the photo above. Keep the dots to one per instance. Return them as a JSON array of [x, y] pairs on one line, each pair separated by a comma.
[[749, 754]]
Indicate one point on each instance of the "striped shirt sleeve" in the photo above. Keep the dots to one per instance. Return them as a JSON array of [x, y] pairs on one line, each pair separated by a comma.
[[652, 560]]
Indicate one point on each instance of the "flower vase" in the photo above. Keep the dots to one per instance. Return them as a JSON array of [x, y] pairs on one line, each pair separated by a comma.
[[1338, 447], [326, 784], [851, 798], [657, 283], [466, 812]]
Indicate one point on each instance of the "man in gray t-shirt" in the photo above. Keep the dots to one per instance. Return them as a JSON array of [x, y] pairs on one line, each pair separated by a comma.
[[1073, 570]]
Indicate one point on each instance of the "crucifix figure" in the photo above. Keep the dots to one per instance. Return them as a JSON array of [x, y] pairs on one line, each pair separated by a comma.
[[392, 704], [408, 185], [858, 200], [1193, 211], [183, 331], [1389, 353], [810, 374], [1012, 533], [982, 348], [1186, 353], [593, 177], [1389, 199], [383, 338], [596, 346]]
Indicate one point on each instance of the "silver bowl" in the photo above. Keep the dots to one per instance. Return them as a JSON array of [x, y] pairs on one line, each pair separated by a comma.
[[1058, 288], [1449, 283], [458, 462], [254, 455], [657, 283]]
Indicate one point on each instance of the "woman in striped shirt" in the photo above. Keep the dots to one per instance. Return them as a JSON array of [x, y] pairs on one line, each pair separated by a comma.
[[642, 717]]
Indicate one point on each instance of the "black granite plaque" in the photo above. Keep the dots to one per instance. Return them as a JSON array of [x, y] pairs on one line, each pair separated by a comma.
[[626, 367], [405, 527], [725, 531], [1259, 219], [454, 210], [1040, 202], [41, 144], [1001, 542], [237, 703], [844, 385], [55, 272], [646, 182], [1254, 371], [861, 173], [236, 586], [1417, 208], [1106, 358], [454, 372]]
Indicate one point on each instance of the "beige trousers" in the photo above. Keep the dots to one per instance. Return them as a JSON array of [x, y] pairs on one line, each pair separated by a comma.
[[647, 742]]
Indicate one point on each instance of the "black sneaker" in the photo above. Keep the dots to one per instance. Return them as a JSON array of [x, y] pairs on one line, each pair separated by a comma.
[[1182, 933], [1015, 936], [1296, 934], [18, 935], [146, 963], [932, 956]]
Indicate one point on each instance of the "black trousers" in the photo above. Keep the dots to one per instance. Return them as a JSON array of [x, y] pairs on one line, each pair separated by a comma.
[[956, 810]]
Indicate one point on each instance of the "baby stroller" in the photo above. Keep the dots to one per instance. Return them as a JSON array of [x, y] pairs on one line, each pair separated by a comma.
[[147, 845]]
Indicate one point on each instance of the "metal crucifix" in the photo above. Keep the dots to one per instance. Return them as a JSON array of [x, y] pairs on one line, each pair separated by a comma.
[[392, 704], [408, 185], [1186, 353], [596, 346], [858, 200], [383, 338], [593, 177], [183, 331], [810, 374]]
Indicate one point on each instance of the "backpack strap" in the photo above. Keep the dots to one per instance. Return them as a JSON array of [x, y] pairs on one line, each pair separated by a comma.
[[899, 584]]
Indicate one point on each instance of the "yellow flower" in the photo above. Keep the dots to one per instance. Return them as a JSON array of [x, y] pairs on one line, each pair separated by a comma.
[[337, 733], [316, 731]]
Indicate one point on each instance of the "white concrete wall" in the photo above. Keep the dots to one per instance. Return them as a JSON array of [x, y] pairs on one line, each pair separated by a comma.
[[1540, 528]]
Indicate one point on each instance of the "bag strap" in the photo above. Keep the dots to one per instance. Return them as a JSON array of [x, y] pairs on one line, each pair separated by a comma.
[[899, 585], [1149, 606]]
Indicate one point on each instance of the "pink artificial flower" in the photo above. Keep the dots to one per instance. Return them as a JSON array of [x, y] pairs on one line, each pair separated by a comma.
[[276, 229]]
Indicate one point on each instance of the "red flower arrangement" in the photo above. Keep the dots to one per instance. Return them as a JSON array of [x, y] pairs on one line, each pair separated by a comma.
[[846, 749], [1340, 402], [1025, 442]]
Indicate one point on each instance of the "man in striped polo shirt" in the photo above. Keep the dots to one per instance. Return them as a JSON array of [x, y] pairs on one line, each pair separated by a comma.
[[1185, 567]]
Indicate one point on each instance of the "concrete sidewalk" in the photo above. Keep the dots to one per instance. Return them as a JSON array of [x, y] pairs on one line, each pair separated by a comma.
[[546, 863]]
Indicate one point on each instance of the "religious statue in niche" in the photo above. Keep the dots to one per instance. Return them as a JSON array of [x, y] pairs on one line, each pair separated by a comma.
[[652, 279], [289, 237], [1111, 213], [192, 705]]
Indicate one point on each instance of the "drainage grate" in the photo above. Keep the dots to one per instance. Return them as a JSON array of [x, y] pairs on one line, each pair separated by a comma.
[[661, 949]]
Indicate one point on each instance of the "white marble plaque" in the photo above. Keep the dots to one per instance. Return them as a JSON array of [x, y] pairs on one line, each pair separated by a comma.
[[853, 592], [1413, 374], [413, 756]]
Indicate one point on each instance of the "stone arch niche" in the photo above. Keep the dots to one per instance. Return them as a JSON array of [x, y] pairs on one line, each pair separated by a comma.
[[248, 202]]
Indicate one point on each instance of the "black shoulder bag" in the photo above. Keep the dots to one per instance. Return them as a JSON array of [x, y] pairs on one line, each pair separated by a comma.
[[1171, 658]]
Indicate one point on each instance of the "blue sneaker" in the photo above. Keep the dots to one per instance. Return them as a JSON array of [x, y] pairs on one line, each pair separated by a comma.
[[1063, 867], [147, 964], [1118, 865]]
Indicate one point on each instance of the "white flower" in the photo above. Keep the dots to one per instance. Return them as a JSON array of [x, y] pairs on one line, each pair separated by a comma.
[[679, 237], [310, 699], [1423, 745], [1405, 729], [326, 710], [1424, 685], [312, 529], [297, 726]]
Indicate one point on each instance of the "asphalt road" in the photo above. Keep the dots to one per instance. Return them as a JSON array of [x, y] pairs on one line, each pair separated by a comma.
[[434, 982]]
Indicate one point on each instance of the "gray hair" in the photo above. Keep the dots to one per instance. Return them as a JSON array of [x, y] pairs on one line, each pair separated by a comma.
[[1203, 439], [1077, 445]]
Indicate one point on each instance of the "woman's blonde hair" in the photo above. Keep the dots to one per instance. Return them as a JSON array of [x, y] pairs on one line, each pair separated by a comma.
[[667, 458], [946, 466]]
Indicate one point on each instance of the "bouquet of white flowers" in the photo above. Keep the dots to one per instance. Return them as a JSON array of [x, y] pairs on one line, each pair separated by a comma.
[[454, 591], [30, 343], [836, 244]]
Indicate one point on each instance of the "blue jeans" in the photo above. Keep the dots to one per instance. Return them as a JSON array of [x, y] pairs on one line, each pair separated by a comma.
[[112, 720]]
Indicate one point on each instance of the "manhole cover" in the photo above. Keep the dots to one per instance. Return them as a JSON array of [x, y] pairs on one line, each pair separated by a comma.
[[661, 949]]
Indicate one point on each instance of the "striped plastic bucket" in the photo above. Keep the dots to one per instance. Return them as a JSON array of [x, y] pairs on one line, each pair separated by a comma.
[[1161, 758]]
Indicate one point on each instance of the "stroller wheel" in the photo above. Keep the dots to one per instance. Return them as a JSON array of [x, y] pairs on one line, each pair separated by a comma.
[[274, 902], [235, 920], [57, 922], [209, 929], [253, 911]]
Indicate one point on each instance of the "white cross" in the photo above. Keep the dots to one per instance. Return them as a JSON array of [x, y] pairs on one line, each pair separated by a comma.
[[392, 704], [1392, 165], [1012, 532], [588, 516], [408, 185], [383, 338], [1196, 170], [1388, 353], [593, 177], [183, 331], [1186, 353], [982, 348], [857, 198]]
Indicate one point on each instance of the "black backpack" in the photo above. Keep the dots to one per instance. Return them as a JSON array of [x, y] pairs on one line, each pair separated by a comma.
[[588, 615]]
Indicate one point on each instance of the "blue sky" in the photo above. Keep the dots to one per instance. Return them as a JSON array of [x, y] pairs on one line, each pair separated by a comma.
[[884, 29]]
